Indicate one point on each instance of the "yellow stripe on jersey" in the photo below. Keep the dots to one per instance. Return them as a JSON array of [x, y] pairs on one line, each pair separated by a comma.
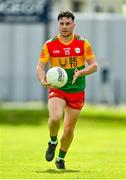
[[44, 56], [67, 62], [88, 53]]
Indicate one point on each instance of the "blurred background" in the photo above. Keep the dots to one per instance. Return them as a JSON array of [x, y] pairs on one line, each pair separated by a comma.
[[99, 147], [26, 25]]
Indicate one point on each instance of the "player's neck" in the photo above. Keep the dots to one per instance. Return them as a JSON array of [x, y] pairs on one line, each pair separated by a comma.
[[67, 39]]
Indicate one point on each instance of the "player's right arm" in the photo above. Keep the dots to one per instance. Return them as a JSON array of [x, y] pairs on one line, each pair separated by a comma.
[[41, 74], [40, 70]]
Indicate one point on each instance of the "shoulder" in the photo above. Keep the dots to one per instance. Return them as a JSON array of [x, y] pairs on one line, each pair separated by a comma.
[[78, 37], [87, 43], [51, 40], [81, 39]]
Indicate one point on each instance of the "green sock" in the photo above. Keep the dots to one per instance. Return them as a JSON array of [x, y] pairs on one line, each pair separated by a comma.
[[61, 154], [53, 139]]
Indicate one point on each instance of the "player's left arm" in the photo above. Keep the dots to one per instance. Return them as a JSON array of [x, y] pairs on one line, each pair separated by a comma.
[[91, 61], [90, 68]]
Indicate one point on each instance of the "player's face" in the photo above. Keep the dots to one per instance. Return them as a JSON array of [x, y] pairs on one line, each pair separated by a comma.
[[66, 26]]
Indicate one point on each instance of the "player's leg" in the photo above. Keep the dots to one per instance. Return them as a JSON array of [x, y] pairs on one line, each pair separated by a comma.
[[75, 102], [70, 119], [56, 108]]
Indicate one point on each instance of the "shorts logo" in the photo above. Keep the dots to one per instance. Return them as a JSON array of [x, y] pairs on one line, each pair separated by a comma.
[[51, 93], [77, 50]]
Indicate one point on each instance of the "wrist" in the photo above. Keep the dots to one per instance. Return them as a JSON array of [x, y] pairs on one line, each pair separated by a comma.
[[81, 73], [42, 81]]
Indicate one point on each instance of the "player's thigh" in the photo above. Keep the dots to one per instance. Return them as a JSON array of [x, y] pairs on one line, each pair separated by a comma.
[[56, 107], [71, 116]]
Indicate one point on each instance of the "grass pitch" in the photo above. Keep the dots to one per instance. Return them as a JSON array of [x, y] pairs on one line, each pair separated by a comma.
[[97, 152]]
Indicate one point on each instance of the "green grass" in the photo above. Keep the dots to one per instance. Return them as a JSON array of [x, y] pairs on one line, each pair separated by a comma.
[[97, 152]]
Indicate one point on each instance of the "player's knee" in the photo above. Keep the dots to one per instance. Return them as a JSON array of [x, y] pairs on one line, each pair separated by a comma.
[[54, 119]]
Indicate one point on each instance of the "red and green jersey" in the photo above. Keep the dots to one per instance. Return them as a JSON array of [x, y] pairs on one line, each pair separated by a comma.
[[69, 56]]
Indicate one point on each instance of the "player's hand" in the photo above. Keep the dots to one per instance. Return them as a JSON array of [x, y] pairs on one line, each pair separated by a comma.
[[47, 84], [44, 83], [76, 75]]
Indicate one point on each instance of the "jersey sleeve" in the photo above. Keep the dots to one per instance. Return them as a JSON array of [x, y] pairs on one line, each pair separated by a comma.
[[88, 52], [44, 56]]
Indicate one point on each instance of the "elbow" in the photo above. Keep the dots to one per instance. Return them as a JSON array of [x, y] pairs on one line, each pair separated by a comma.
[[95, 67], [37, 70]]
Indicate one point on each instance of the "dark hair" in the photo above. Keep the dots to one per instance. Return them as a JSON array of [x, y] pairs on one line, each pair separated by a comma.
[[67, 14]]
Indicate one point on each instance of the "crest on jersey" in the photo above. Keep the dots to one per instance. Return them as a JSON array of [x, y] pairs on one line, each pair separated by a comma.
[[77, 50]]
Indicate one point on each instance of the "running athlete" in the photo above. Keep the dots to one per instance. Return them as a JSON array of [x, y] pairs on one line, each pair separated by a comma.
[[71, 52]]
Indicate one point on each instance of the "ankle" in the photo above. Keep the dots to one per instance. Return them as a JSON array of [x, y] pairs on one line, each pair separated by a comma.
[[61, 155], [53, 140]]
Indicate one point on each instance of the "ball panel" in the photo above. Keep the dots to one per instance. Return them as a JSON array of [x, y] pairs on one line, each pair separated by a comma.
[[57, 77]]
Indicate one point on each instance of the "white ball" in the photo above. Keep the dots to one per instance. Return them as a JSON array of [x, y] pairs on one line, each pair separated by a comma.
[[57, 77]]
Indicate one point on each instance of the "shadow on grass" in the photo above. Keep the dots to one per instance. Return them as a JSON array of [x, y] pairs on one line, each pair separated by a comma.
[[37, 117], [23, 117], [54, 171]]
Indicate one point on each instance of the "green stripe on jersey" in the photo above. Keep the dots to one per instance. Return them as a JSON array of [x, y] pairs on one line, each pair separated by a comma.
[[79, 84]]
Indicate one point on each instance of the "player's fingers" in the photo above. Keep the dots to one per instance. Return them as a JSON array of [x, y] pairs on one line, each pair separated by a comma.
[[46, 84], [74, 79], [76, 70], [76, 75]]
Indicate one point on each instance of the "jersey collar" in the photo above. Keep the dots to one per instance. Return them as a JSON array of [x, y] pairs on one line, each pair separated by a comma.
[[63, 41]]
